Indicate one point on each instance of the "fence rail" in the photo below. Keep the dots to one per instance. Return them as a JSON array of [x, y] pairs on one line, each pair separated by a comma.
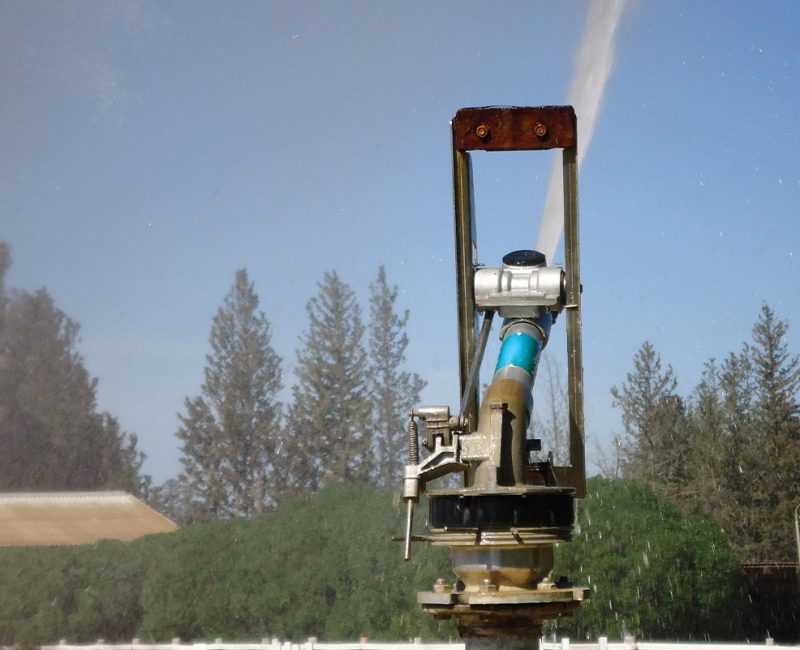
[[365, 644]]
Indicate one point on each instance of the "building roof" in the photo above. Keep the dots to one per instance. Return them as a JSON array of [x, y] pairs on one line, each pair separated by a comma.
[[56, 518]]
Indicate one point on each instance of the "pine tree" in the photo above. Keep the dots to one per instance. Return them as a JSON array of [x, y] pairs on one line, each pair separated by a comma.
[[230, 431], [51, 434], [326, 434], [776, 419], [175, 499], [709, 446], [655, 421], [393, 391], [740, 507], [734, 455], [746, 445]]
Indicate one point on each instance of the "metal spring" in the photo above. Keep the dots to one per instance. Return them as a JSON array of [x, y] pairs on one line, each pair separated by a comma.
[[413, 442]]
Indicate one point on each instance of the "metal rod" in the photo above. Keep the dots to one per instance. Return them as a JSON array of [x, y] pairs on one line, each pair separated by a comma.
[[409, 518], [471, 387], [466, 253], [797, 537]]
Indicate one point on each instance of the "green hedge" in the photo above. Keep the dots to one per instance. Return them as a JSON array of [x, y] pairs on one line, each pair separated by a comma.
[[325, 566], [322, 565], [652, 571]]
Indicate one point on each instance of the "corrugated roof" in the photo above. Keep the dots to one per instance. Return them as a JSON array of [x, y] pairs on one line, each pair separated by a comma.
[[56, 518]]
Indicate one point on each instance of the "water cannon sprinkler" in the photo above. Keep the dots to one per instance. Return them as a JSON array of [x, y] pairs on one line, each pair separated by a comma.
[[503, 522]]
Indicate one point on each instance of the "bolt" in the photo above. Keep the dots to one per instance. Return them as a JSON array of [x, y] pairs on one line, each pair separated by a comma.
[[488, 585], [540, 130], [482, 131], [441, 586]]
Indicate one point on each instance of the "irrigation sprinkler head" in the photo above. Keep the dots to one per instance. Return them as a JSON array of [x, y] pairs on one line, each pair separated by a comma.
[[509, 512]]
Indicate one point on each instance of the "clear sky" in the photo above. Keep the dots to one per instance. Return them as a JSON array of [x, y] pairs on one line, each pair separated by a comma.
[[151, 149]]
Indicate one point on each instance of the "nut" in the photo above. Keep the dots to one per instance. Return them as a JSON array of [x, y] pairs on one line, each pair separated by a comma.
[[441, 586], [488, 585]]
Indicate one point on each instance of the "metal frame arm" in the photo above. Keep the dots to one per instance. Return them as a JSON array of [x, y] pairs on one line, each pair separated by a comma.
[[518, 129]]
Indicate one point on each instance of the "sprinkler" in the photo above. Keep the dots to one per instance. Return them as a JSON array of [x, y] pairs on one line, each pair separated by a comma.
[[510, 511]]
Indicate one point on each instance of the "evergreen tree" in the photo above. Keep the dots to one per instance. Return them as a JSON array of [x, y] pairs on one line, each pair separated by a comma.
[[655, 422], [326, 434], [745, 443], [776, 376], [175, 499], [229, 432], [739, 507], [51, 434], [734, 455], [392, 390], [709, 446]]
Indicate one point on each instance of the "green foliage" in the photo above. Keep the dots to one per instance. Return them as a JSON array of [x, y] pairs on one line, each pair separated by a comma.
[[777, 431], [51, 434], [732, 451], [320, 565], [230, 431], [75, 593], [326, 436], [393, 391], [653, 416], [651, 570], [324, 565]]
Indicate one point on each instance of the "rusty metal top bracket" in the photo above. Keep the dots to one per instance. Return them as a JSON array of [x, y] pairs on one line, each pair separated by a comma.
[[514, 128]]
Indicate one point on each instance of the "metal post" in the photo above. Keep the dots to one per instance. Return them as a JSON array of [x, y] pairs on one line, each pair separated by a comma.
[[466, 254], [577, 471]]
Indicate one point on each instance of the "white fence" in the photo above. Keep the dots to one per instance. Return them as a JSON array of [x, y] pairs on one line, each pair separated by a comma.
[[365, 644]]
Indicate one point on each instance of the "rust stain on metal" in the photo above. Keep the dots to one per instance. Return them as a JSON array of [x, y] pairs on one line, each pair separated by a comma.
[[513, 128]]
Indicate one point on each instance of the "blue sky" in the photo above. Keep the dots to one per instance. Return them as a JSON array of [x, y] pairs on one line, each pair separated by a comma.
[[151, 149]]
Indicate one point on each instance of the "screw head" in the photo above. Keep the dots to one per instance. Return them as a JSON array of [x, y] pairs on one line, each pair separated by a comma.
[[540, 130]]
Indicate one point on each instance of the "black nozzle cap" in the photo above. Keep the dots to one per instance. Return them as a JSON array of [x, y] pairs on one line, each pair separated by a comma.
[[525, 258]]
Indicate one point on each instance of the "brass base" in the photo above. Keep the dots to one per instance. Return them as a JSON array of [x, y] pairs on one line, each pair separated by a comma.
[[501, 612]]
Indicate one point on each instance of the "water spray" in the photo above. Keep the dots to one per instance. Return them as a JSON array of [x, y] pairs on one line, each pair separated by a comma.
[[592, 70], [509, 512]]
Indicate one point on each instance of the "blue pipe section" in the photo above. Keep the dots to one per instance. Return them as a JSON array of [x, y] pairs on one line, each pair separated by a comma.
[[522, 350], [519, 349]]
